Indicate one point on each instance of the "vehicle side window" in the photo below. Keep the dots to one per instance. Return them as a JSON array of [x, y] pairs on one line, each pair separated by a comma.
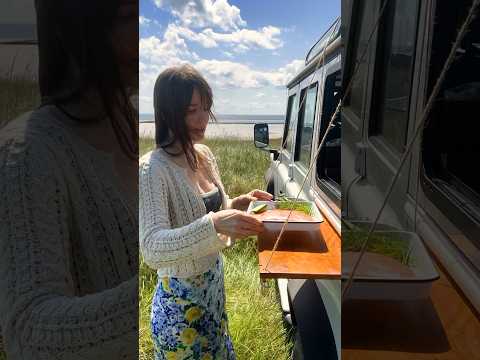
[[329, 159], [450, 144], [292, 110], [394, 69], [303, 147], [362, 30]]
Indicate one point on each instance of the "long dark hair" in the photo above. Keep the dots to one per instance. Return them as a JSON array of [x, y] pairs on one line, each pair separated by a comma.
[[76, 53], [171, 97]]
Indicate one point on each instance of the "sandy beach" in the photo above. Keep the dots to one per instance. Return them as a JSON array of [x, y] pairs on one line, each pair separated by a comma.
[[238, 131]]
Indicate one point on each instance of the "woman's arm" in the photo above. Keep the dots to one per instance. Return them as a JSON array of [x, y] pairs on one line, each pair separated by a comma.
[[41, 316], [160, 244]]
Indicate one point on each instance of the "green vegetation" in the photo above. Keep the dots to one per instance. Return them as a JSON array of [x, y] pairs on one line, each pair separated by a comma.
[[259, 208], [287, 204], [380, 243], [17, 96], [255, 319]]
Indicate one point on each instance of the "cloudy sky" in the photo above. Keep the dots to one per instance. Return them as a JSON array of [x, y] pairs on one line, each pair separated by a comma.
[[247, 50]]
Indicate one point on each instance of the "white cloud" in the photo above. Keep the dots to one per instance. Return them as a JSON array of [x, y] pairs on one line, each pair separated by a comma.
[[216, 24], [203, 13], [228, 74], [240, 49], [143, 20], [156, 54], [266, 37], [242, 40], [286, 73], [220, 74], [170, 50], [201, 38]]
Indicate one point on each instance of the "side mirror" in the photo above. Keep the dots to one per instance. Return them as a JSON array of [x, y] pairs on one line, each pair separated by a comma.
[[260, 135]]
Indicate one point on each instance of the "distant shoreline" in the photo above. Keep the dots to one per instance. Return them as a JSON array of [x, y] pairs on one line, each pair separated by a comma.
[[232, 122], [221, 130], [232, 118]]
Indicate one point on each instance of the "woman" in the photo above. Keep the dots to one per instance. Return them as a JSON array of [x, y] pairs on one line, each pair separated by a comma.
[[68, 185], [186, 219]]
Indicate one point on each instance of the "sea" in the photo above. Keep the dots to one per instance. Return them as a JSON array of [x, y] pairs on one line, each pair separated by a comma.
[[232, 119], [227, 126], [18, 32]]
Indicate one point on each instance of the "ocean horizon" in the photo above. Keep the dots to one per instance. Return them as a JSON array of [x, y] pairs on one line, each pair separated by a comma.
[[233, 118], [18, 32]]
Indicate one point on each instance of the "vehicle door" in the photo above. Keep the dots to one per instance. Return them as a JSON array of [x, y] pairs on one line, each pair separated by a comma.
[[304, 136], [283, 167]]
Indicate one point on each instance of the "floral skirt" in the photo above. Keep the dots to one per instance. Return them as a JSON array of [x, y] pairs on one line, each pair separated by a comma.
[[188, 317]]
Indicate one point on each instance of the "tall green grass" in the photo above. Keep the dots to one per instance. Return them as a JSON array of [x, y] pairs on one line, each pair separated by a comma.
[[17, 96], [255, 318]]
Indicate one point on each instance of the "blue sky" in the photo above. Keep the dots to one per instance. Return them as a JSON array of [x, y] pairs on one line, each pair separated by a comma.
[[247, 50]]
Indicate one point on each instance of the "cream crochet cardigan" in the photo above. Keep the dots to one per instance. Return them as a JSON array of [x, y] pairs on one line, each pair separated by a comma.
[[68, 245], [177, 236]]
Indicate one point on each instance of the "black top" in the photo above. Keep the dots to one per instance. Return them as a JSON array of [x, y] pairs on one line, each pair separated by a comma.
[[212, 200]]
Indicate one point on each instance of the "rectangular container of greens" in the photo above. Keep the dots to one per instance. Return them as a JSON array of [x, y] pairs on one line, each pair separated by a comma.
[[276, 225], [403, 246]]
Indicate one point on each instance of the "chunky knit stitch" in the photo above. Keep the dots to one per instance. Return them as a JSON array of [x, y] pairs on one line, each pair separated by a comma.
[[68, 246], [177, 237]]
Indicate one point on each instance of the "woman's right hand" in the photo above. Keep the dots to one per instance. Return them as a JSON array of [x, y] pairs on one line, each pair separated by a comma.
[[236, 224]]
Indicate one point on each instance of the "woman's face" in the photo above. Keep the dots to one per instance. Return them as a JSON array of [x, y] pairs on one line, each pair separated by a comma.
[[197, 117]]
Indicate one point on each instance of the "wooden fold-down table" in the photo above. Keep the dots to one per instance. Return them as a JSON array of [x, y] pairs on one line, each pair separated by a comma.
[[301, 254]]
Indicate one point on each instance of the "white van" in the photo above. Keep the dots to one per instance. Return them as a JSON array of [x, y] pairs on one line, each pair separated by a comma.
[[312, 305]]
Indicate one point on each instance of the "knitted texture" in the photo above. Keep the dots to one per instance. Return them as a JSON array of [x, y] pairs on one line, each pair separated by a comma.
[[177, 237], [68, 246]]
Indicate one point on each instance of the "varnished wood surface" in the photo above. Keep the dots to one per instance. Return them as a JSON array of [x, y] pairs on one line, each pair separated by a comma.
[[301, 254], [442, 328]]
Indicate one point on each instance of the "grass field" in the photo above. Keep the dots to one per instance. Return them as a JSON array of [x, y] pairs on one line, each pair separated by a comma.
[[17, 96], [254, 313]]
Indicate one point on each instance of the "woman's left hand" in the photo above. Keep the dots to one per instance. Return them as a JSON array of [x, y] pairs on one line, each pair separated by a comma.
[[241, 202]]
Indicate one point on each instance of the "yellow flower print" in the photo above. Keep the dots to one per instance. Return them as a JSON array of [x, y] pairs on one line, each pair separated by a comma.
[[166, 284], [207, 356], [181, 301], [171, 355], [188, 336], [193, 314], [175, 355], [204, 342]]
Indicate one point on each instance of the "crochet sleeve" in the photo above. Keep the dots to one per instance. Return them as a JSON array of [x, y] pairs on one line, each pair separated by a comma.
[[41, 317], [160, 243]]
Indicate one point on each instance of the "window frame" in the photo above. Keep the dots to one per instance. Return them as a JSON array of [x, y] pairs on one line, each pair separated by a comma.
[[352, 53], [331, 190], [291, 116], [458, 219], [451, 208], [300, 123], [375, 137]]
